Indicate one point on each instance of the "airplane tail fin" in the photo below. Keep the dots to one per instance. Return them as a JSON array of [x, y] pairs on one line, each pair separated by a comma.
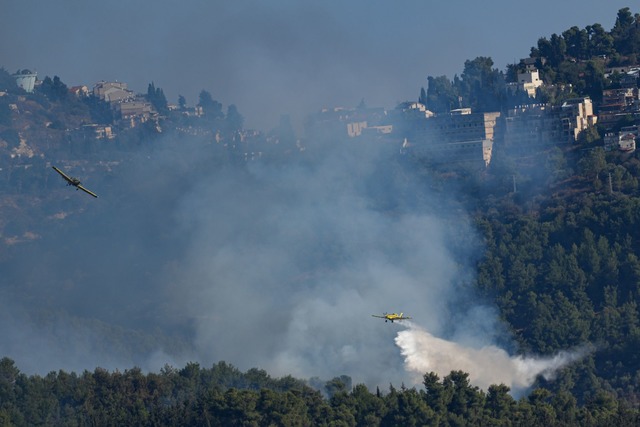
[[401, 314]]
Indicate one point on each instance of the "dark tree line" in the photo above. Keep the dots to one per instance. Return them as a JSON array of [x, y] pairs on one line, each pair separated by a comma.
[[155, 96], [480, 87], [54, 89], [224, 396]]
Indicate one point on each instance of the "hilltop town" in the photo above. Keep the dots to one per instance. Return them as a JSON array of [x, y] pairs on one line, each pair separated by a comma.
[[112, 109], [43, 117], [533, 125], [565, 97]]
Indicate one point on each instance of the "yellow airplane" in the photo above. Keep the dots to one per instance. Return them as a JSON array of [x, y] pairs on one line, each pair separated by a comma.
[[74, 181], [392, 317]]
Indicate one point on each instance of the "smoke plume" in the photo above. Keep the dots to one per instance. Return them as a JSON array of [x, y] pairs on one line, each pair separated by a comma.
[[278, 266], [486, 365]]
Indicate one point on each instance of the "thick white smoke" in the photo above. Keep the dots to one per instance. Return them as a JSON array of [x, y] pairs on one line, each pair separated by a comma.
[[487, 365], [272, 266], [286, 265]]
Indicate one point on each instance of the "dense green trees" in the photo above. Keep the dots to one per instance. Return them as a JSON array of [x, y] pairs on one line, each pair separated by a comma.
[[201, 396], [155, 96], [5, 113], [576, 57], [625, 32], [212, 108], [182, 103], [234, 120], [441, 95], [567, 273], [8, 82], [480, 87], [54, 89]]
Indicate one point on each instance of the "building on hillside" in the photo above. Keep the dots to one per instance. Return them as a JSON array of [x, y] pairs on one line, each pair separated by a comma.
[[459, 125], [87, 136], [134, 109], [529, 129], [631, 78], [528, 82], [617, 104], [347, 122], [531, 64], [95, 131], [377, 131], [26, 80], [625, 77], [355, 128], [576, 116], [79, 91], [415, 108], [624, 141], [627, 142], [112, 91], [458, 137], [477, 152], [610, 71]]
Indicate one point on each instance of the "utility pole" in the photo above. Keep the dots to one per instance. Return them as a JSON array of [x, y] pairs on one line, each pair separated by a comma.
[[610, 184]]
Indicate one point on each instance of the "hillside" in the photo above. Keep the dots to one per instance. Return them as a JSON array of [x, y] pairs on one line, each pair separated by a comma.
[[211, 244]]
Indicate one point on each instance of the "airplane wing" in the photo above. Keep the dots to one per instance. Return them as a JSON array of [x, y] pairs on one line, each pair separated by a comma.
[[64, 175], [87, 191], [381, 317]]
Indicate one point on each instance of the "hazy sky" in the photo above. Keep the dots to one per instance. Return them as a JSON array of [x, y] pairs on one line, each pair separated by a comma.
[[282, 56]]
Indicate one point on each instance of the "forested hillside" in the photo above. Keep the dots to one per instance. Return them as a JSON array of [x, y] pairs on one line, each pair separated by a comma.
[[564, 270]]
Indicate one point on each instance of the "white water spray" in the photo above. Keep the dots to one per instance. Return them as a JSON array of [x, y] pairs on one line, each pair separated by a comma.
[[488, 365]]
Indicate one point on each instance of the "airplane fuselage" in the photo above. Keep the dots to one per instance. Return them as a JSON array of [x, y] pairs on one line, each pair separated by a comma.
[[390, 317], [74, 181]]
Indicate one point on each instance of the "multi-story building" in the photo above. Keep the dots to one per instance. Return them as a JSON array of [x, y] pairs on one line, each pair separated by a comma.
[[576, 115], [624, 141], [617, 104], [79, 91], [528, 81], [416, 109], [350, 122], [626, 76], [140, 110], [129, 108], [460, 136], [112, 91], [530, 128]]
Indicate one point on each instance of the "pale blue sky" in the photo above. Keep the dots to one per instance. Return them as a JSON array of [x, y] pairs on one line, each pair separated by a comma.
[[279, 56]]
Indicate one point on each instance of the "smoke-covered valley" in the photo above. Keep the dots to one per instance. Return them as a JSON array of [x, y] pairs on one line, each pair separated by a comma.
[[187, 256]]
